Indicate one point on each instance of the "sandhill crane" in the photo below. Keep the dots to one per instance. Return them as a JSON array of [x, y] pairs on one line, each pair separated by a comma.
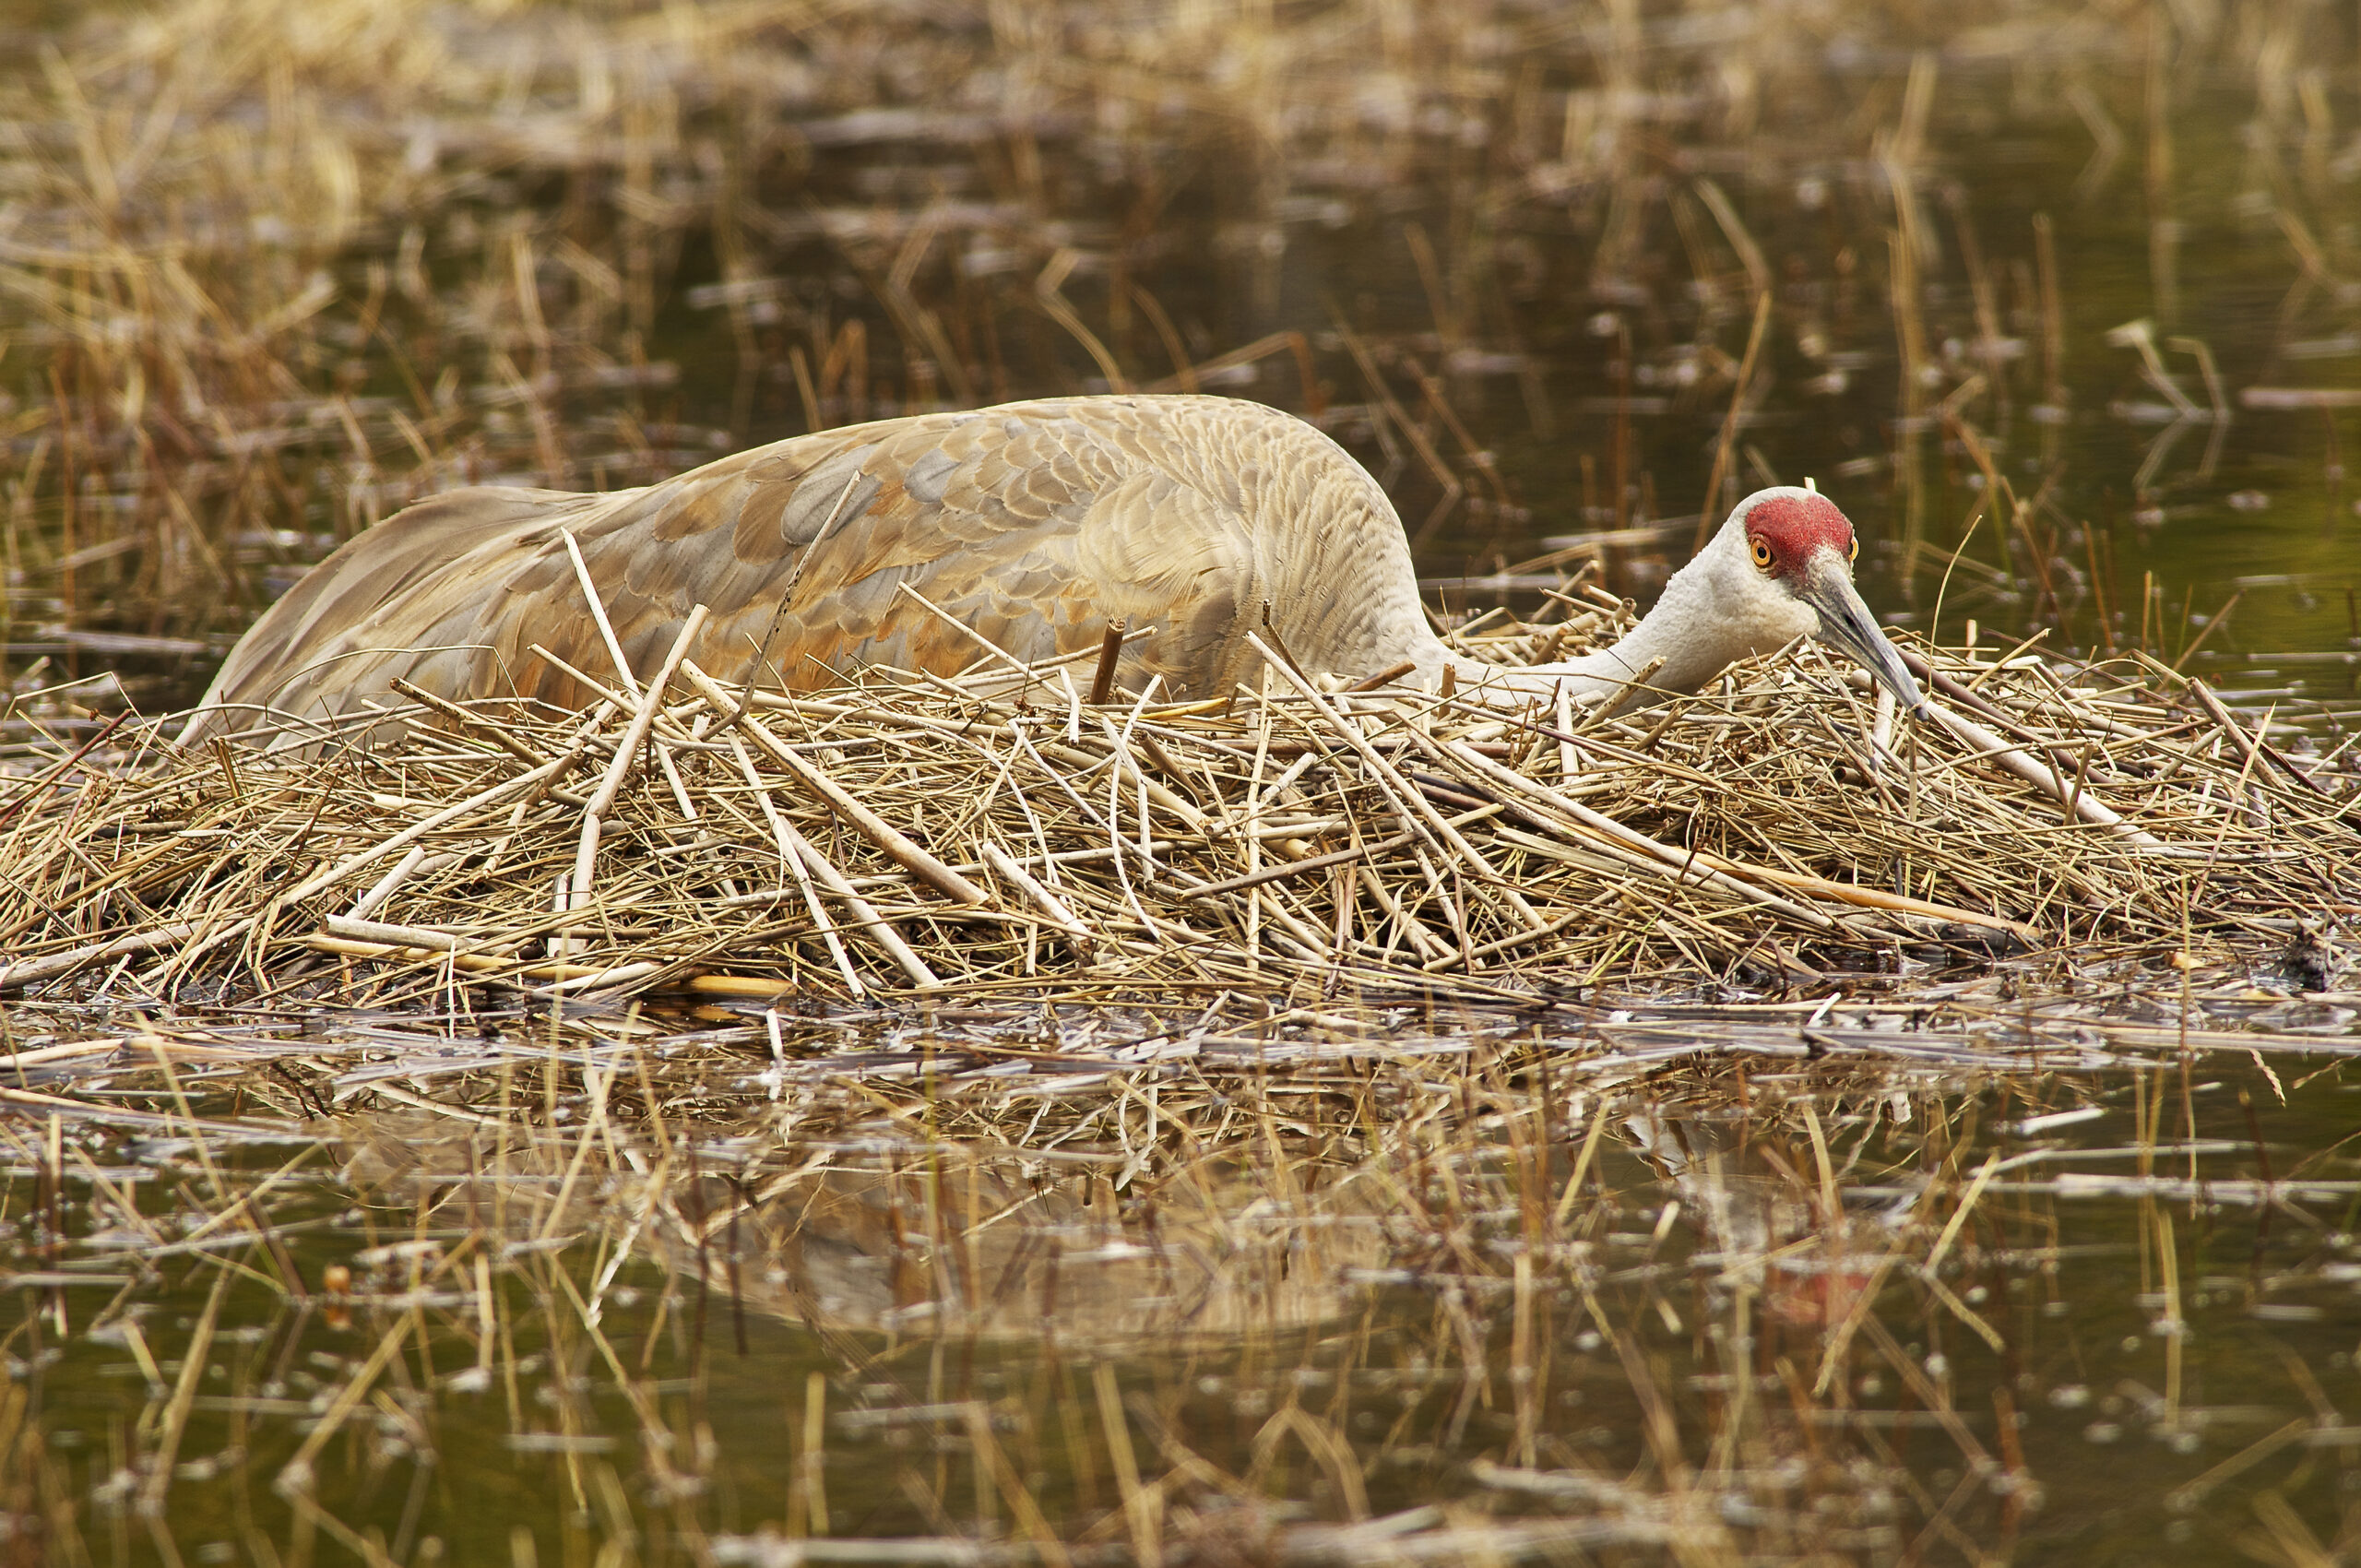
[[1032, 523]]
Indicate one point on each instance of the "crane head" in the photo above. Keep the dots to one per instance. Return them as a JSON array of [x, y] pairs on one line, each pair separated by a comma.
[[1799, 544]]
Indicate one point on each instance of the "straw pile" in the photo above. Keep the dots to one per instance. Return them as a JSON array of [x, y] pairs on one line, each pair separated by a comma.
[[1000, 834]]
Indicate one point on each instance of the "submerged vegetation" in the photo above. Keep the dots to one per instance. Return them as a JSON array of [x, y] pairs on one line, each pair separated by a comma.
[[1339, 1127]]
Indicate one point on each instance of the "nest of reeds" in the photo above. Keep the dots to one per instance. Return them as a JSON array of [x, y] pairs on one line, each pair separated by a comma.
[[998, 834]]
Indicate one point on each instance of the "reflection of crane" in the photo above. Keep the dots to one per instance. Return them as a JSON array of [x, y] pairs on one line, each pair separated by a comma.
[[1031, 526]]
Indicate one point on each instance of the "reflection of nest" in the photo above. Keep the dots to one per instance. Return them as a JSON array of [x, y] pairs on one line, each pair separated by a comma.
[[1003, 836], [943, 1242], [1749, 1181], [996, 1253]]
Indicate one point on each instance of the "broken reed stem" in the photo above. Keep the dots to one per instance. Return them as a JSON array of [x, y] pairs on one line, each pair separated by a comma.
[[2252, 746], [602, 800], [410, 835], [1989, 747], [598, 613], [865, 916], [472, 722], [33, 972], [1384, 677], [1111, 647], [385, 886], [791, 861], [1710, 516], [1078, 936], [1302, 867]]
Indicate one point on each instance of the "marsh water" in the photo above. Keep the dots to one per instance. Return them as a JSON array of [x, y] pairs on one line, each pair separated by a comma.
[[2064, 306], [1729, 1340]]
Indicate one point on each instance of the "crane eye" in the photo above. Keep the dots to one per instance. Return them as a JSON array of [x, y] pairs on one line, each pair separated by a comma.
[[1762, 556], [1853, 548]]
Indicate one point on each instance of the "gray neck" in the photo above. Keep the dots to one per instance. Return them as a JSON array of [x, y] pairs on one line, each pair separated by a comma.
[[1713, 612]]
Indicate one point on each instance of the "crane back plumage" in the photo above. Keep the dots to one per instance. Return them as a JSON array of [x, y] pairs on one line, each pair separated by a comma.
[[1032, 525]]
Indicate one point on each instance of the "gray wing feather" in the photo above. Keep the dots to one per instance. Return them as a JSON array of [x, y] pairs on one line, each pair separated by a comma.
[[1034, 524]]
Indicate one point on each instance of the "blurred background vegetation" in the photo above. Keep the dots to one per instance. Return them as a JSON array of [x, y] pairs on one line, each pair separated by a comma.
[[2078, 287]]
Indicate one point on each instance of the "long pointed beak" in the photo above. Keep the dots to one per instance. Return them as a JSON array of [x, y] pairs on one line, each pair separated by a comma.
[[1847, 621]]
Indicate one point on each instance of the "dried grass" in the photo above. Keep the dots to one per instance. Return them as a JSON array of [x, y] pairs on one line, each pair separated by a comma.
[[997, 837]]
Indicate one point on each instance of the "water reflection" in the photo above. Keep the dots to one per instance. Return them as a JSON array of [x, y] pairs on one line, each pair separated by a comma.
[[1765, 1309]]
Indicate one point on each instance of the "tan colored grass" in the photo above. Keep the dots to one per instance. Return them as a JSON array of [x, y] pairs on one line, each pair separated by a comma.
[[999, 837]]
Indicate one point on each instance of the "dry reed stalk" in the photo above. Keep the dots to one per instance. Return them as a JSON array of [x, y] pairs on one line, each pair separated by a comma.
[[1077, 937], [602, 800]]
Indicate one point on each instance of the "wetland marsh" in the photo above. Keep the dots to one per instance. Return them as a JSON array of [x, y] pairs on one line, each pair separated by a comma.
[[1698, 1226]]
